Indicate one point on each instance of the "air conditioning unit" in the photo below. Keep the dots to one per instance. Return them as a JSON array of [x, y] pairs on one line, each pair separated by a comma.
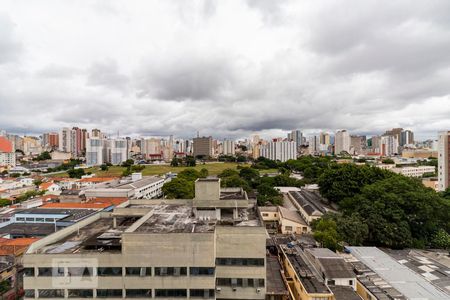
[[258, 291], [234, 289], [218, 289]]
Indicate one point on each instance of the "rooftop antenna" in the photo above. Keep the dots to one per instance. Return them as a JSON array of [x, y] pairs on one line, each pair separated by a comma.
[[198, 133]]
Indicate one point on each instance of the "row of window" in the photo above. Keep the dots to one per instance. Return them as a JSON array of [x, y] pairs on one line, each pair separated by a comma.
[[117, 293], [118, 271], [240, 282], [240, 261]]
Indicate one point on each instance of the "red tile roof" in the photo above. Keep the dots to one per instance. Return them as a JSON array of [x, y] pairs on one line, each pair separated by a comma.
[[45, 185], [77, 205]]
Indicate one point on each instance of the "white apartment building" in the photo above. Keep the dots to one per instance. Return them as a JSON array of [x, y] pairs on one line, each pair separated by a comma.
[[7, 159], [95, 151], [443, 160], [65, 140], [389, 145], [342, 142], [414, 171], [279, 150], [228, 147], [313, 144], [117, 151]]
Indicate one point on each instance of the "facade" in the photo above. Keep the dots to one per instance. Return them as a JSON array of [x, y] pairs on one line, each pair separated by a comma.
[[162, 249], [65, 140], [406, 138], [389, 145], [415, 171], [95, 151], [31, 145], [444, 160], [7, 154], [117, 151], [342, 142], [203, 146], [279, 150], [228, 147], [278, 219]]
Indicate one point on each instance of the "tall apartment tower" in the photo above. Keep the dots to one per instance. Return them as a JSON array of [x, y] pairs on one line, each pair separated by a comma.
[[444, 160], [65, 140], [342, 142], [406, 138], [95, 151], [203, 146], [117, 151], [228, 147], [277, 150]]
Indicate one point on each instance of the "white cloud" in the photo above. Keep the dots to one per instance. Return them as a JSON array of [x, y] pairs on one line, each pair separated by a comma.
[[226, 68]]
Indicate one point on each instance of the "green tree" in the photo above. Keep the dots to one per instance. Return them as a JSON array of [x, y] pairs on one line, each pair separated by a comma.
[[352, 229], [266, 193], [179, 188], [250, 175], [189, 174], [175, 162], [128, 163], [104, 167], [76, 173], [228, 173], [441, 240], [388, 161], [37, 182], [190, 161], [4, 202], [44, 156], [326, 233], [235, 181], [204, 173]]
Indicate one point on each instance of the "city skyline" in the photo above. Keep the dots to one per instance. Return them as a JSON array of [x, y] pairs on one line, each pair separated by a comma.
[[274, 68]]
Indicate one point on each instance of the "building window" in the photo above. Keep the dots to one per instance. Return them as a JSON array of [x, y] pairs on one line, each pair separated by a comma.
[[240, 261], [109, 271], [138, 271], [51, 293], [240, 282], [138, 293], [350, 282], [170, 293], [170, 271], [200, 293], [20, 219], [201, 271], [81, 294], [80, 271], [29, 272], [109, 293], [48, 272], [265, 214], [288, 228], [29, 219], [29, 293], [39, 219]]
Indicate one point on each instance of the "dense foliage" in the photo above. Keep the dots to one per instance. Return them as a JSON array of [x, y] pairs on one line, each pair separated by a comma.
[[397, 211]]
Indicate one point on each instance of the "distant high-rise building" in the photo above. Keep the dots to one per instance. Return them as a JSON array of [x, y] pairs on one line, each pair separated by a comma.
[[313, 144], [50, 140], [296, 136], [389, 145], [95, 151], [228, 147], [444, 160], [117, 151], [279, 150], [357, 144], [96, 133], [7, 153], [203, 146], [65, 140], [342, 142], [406, 138]]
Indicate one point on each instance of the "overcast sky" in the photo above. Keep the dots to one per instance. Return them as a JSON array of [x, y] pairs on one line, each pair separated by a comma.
[[227, 68]]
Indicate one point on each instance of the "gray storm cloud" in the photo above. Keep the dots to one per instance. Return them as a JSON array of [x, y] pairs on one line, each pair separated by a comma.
[[227, 68]]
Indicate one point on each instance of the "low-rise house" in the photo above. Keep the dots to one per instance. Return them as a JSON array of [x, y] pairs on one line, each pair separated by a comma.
[[280, 219], [310, 204]]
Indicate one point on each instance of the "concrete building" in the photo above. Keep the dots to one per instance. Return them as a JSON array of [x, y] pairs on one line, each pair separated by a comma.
[[7, 154], [342, 142], [279, 150], [138, 188], [310, 204], [50, 140], [280, 219], [296, 136], [95, 151], [444, 160], [210, 247], [415, 171], [116, 151], [382, 277], [313, 144], [65, 140], [203, 146], [31, 145], [228, 147], [406, 138], [389, 145]]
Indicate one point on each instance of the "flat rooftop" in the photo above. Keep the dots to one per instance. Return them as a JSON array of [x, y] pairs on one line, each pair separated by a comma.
[[174, 219], [140, 183], [344, 293], [275, 282], [406, 281], [28, 229], [97, 236]]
